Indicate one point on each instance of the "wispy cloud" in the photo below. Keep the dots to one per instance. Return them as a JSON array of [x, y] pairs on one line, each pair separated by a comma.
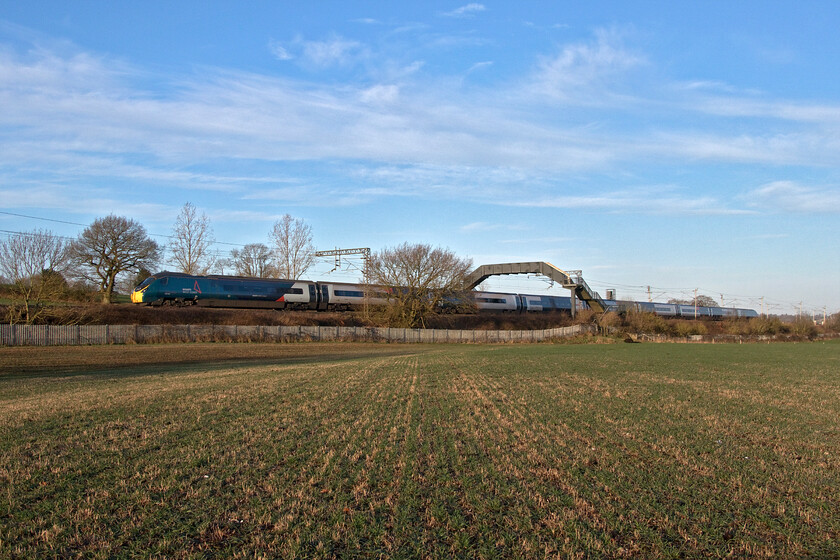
[[790, 196], [577, 68], [381, 93], [465, 11], [641, 200], [279, 51], [334, 51], [479, 66], [79, 115]]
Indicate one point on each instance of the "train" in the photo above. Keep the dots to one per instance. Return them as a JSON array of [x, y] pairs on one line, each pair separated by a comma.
[[176, 288], [493, 301]]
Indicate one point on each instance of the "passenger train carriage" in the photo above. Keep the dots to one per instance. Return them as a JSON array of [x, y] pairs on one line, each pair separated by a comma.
[[173, 288], [236, 291]]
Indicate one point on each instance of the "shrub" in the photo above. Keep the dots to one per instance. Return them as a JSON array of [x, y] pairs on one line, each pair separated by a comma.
[[644, 322], [736, 326], [804, 327], [833, 323], [765, 326], [689, 328], [609, 320]]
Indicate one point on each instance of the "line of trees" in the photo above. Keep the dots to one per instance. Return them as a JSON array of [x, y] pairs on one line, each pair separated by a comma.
[[290, 255], [37, 264], [115, 250], [112, 250]]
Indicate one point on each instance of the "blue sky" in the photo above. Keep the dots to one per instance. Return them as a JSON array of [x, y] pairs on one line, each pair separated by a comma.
[[673, 145]]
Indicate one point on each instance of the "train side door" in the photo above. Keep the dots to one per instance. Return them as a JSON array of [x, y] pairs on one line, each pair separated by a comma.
[[313, 297], [323, 304]]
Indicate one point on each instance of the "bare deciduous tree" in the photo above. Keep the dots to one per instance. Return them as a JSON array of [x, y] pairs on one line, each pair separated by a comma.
[[34, 263], [420, 279], [192, 238], [293, 249], [111, 246], [253, 260]]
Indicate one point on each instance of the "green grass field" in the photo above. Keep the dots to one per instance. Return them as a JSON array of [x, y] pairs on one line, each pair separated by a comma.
[[387, 451]]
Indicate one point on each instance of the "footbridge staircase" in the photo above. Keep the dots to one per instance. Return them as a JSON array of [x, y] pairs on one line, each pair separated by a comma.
[[572, 280]]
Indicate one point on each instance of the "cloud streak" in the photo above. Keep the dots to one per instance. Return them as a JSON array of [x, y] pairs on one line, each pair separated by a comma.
[[78, 114], [790, 196], [467, 10]]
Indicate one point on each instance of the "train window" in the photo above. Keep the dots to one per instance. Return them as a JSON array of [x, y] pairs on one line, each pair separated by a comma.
[[145, 283], [284, 291], [349, 293]]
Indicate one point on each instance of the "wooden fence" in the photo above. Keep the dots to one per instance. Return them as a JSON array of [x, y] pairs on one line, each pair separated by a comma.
[[75, 335]]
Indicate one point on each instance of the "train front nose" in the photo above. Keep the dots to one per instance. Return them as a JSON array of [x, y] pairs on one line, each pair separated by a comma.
[[136, 296]]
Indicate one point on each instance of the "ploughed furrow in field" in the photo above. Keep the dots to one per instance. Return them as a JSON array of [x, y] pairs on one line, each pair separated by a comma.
[[686, 485], [557, 515], [389, 451], [267, 452], [338, 494]]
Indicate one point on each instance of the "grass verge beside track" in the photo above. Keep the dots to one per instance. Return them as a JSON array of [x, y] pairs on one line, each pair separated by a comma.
[[347, 450]]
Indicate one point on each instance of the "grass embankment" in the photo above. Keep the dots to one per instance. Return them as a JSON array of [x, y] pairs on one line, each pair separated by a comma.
[[423, 451]]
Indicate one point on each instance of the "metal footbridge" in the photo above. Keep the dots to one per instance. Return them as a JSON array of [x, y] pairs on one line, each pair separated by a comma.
[[572, 280]]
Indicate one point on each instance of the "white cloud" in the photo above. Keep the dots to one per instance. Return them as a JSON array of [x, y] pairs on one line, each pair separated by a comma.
[[579, 67], [638, 201], [737, 106], [466, 10], [714, 86], [479, 66], [279, 51], [478, 227], [380, 94], [79, 115], [789, 196], [335, 51]]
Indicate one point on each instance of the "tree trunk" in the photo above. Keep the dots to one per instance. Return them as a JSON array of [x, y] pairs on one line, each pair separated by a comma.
[[108, 289]]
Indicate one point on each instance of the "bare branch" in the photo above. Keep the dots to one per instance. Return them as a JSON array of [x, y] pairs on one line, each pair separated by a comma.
[[253, 260], [293, 249], [421, 280], [111, 246], [192, 239], [34, 262]]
